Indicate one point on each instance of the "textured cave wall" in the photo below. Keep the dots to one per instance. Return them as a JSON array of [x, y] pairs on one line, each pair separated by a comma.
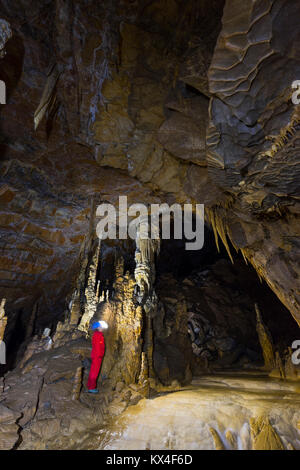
[[50, 180], [160, 101], [104, 80], [253, 138]]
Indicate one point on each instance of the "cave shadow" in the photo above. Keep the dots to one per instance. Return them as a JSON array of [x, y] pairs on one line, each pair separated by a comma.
[[241, 285], [14, 344], [11, 67]]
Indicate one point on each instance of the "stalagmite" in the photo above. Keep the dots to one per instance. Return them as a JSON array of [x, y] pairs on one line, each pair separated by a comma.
[[231, 438], [143, 379], [279, 365], [119, 267], [266, 341], [79, 283], [3, 319], [77, 384], [290, 446], [263, 435], [144, 369], [149, 339], [217, 440], [290, 370], [75, 309], [144, 274], [48, 97], [90, 293], [30, 325], [146, 249]]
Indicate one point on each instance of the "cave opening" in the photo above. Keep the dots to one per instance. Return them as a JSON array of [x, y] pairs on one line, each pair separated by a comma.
[[219, 298]]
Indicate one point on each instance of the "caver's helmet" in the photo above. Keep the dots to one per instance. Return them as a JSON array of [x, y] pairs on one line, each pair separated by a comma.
[[99, 324]]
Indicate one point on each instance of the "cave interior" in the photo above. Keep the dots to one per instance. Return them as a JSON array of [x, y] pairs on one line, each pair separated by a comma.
[[161, 101]]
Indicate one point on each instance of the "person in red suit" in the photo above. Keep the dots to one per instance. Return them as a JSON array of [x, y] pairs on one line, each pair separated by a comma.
[[98, 349]]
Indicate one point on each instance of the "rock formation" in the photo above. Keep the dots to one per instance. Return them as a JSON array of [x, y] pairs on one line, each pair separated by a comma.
[[264, 437], [163, 102], [5, 35], [252, 137], [140, 126], [265, 340], [3, 319]]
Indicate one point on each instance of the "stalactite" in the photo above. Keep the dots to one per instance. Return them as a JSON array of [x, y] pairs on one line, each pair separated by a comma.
[[211, 217], [257, 269], [279, 141], [222, 233], [244, 255], [219, 228], [265, 340], [148, 248]]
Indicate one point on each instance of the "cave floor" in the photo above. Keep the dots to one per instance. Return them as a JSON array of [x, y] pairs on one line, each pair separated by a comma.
[[228, 411]]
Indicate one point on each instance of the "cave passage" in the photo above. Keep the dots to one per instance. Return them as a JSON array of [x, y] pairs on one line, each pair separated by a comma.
[[163, 102], [220, 299]]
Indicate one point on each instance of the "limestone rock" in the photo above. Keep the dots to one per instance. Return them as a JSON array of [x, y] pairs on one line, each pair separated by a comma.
[[265, 340], [217, 440], [5, 35], [8, 427], [119, 387], [250, 150], [231, 438], [135, 398], [263, 435]]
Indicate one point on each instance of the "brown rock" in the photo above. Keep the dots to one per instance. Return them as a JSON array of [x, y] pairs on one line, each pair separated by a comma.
[[119, 387], [263, 435]]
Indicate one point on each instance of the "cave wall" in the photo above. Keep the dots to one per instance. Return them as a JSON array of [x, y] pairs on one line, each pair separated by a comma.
[[253, 138], [161, 101]]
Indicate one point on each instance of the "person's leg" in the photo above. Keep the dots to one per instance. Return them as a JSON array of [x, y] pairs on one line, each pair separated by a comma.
[[94, 372]]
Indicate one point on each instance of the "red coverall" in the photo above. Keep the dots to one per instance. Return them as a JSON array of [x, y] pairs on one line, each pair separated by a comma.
[[98, 348]]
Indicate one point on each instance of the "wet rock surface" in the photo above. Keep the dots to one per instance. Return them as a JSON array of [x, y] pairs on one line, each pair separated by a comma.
[[244, 412], [38, 409]]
